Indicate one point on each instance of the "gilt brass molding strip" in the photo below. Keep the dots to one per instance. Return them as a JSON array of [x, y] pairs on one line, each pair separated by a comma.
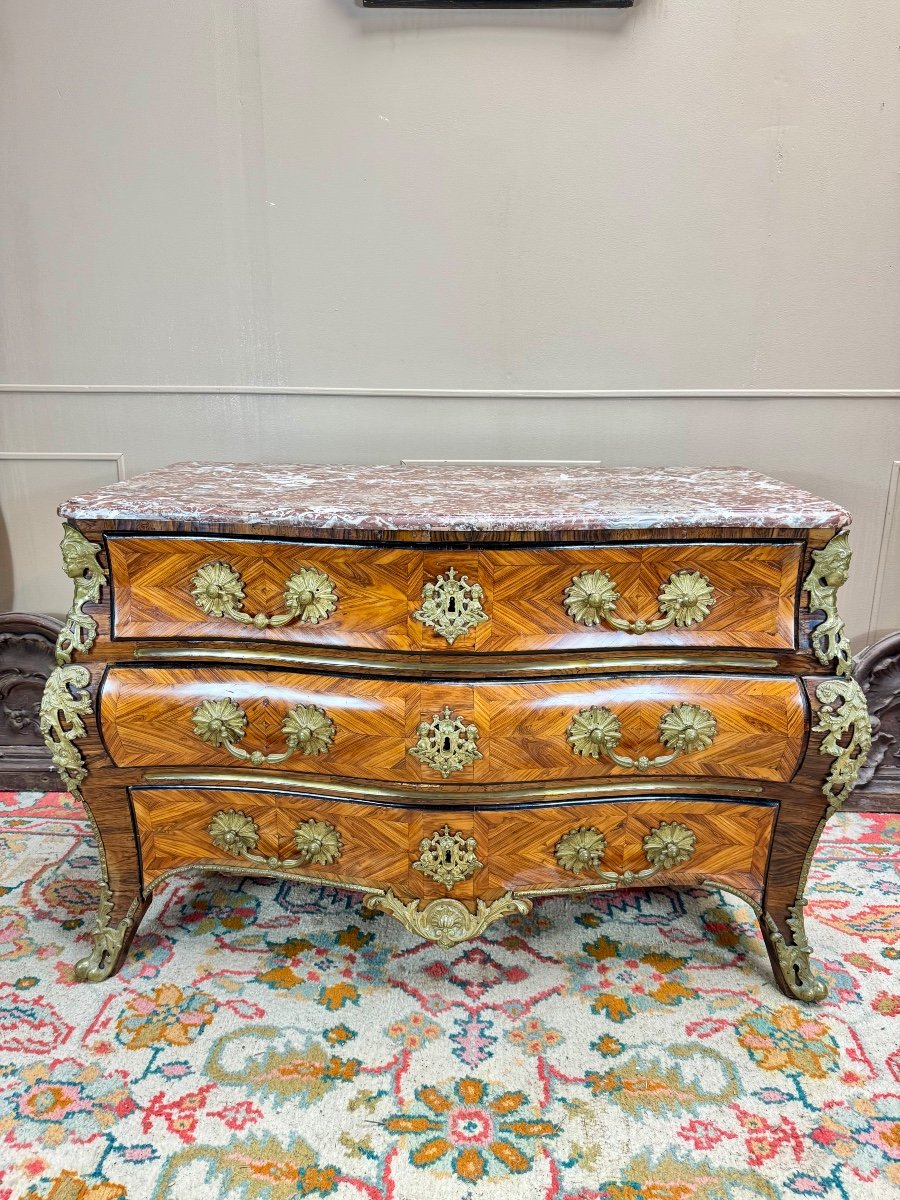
[[444, 666], [286, 876], [263, 781]]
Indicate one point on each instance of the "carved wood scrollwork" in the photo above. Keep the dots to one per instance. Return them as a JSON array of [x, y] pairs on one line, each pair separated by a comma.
[[26, 661], [877, 669]]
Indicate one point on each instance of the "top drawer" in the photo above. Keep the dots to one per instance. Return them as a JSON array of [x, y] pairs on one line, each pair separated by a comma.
[[739, 595]]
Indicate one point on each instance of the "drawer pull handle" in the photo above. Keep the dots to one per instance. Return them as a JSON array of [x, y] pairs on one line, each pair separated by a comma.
[[685, 728], [222, 723], [446, 743], [218, 591], [237, 834], [451, 606], [686, 598], [447, 857], [317, 842], [668, 845], [580, 850]]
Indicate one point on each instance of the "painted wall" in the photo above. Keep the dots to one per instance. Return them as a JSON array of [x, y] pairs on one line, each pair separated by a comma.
[[432, 214]]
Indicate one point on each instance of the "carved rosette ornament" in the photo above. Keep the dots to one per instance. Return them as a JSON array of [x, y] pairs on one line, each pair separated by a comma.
[[65, 702], [310, 596], [844, 719], [446, 921], [580, 850], [669, 845], [308, 729], [686, 728], [451, 606], [219, 722], [594, 732], [590, 598], [447, 857], [218, 590], [317, 842], [234, 832], [80, 563], [683, 729], [830, 570], [686, 598], [446, 743]]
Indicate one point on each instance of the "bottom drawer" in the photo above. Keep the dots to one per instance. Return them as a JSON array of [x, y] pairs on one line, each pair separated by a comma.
[[467, 853]]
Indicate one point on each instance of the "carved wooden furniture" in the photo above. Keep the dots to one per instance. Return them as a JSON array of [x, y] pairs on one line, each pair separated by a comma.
[[457, 690], [26, 661], [877, 671]]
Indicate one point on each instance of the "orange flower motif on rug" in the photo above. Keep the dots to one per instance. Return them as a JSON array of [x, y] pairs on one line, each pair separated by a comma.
[[166, 1015], [789, 1039], [479, 1133]]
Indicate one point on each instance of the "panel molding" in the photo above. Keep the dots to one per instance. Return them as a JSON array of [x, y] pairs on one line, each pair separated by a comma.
[[32, 483], [232, 389], [117, 457]]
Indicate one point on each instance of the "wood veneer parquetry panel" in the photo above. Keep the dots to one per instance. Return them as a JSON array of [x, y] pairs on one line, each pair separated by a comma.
[[379, 589], [379, 843], [152, 589], [754, 587], [146, 714]]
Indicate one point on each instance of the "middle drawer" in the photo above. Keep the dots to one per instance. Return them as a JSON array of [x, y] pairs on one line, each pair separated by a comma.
[[486, 732]]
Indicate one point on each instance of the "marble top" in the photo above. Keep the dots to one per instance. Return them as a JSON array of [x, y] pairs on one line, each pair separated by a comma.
[[458, 498]]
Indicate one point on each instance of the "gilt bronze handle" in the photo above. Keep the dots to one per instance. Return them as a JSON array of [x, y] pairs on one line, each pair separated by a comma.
[[309, 596], [222, 723], [684, 599], [685, 728], [236, 833], [668, 845]]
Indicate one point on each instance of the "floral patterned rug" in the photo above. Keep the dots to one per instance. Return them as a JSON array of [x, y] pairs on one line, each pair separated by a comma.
[[266, 1041]]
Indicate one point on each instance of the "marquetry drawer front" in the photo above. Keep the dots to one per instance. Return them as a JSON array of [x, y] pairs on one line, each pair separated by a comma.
[[460, 852], [168, 587], [410, 732], [729, 595]]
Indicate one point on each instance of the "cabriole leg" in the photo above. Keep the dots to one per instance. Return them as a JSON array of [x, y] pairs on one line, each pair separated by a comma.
[[121, 903], [789, 953]]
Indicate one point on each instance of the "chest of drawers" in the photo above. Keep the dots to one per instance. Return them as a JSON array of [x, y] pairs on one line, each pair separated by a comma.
[[456, 690]]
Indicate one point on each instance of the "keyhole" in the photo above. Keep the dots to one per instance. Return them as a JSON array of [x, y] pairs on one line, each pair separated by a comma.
[[446, 746], [447, 858], [451, 605]]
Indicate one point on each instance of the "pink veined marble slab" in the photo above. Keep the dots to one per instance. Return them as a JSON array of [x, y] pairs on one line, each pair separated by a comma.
[[459, 498]]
